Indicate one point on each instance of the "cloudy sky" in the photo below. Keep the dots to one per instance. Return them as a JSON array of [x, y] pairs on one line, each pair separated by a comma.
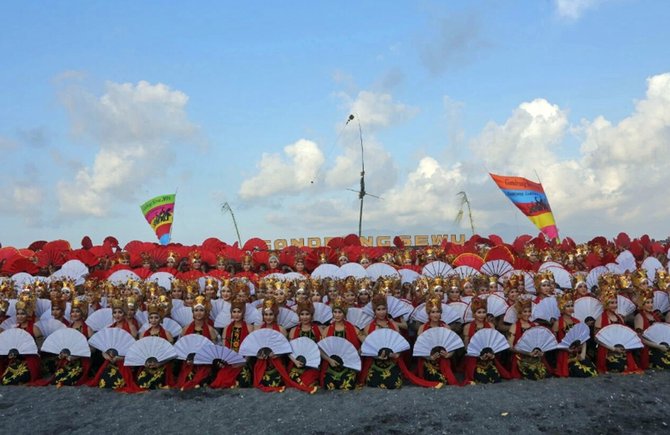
[[107, 104]]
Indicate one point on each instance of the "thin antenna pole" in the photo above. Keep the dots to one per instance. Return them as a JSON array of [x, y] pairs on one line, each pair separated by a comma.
[[226, 208], [361, 193]]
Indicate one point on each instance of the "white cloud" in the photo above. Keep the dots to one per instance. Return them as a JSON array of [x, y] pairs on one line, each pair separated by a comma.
[[377, 109], [291, 173], [135, 128], [574, 9]]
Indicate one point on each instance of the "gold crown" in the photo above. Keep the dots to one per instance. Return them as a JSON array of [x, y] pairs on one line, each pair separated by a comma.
[[477, 304], [564, 299]]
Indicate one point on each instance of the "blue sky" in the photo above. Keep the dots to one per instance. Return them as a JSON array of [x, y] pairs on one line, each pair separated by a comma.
[[107, 104]]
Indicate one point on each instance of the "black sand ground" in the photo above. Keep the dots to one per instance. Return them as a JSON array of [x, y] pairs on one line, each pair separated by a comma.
[[610, 404]]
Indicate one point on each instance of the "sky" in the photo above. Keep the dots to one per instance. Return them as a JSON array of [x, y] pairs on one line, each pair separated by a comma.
[[108, 104]]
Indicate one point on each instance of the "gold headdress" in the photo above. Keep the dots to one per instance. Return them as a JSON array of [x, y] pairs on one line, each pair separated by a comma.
[[563, 300], [522, 304], [476, 304]]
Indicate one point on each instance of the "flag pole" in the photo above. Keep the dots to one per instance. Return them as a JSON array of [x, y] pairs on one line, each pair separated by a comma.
[[173, 210]]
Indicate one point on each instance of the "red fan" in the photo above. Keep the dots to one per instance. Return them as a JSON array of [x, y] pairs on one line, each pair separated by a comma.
[[82, 255], [134, 246], [622, 241], [520, 243], [59, 245], [336, 243], [499, 253], [111, 242], [191, 275], [637, 249], [18, 264], [352, 240], [28, 253], [38, 245], [86, 243], [288, 255], [646, 242], [255, 244], [101, 251], [398, 243], [467, 259], [600, 241], [496, 239], [7, 252], [213, 244], [233, 252], [523, 264], [50, 257], [593, 260], [261, 257], [318, 255]]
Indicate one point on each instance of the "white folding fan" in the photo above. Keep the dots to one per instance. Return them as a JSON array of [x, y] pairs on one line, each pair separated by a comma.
[[562, 277], [408, 275], [496, 306], [326, 271], [460, 308], [381, 270], [322, 313], [353, 269], [546, 309], [437, 268], [49, 326], [8, 323], [465, 271], [71, 269], [396, 308], [149, 347], [209, 353], [304, 348], [142, 317], [218, 306], [496, 268], [182, 315], [381, 339], [548, 264], [115, 339], [264, 338], [163, 279], [594, 274], [436, 338], [658, 333], [21, 279], [67, 340], [510, 315], [651, 265], [17, 338], [626, 261], [42, 306], [100, 319], [342, 348], [578, 333], [586, 307], [619, 335], [190, 344], [358, 317], [624, 306], [487, 338], [537, 337], [168, 324], [122, 276], [661, 301], [287, 318]]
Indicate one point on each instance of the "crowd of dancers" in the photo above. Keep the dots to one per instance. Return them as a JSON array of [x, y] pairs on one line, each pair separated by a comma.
[[144, 317]]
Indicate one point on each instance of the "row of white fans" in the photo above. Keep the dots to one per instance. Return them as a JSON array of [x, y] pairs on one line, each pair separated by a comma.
[[204, 351]]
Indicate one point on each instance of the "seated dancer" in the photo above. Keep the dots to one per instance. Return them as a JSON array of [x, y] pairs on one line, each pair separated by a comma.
[[438, 366], [233, 335], [572, 362], [387, 369], [334, 376], [306, 328], [525, 365]]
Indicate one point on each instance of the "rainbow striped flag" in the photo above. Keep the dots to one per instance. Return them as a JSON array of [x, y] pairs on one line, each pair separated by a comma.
[[159, 212], [529, 197]]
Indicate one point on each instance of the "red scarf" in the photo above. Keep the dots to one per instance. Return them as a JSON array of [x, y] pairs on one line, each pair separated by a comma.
[[298, 329], [205, 330], [349, 333]]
